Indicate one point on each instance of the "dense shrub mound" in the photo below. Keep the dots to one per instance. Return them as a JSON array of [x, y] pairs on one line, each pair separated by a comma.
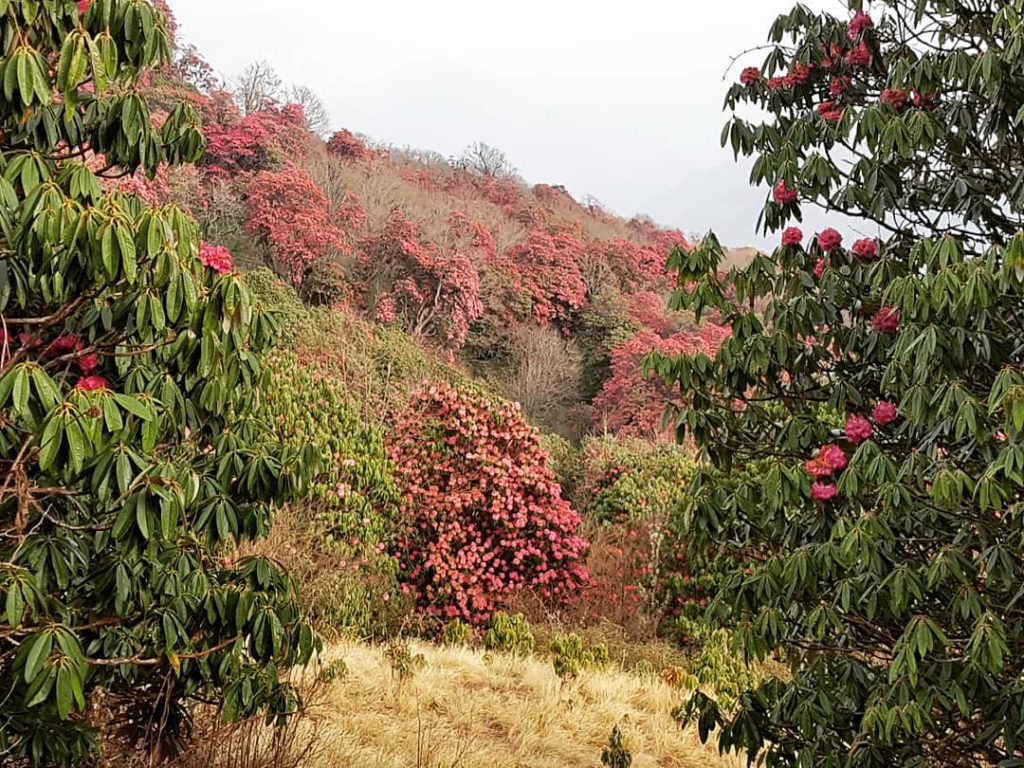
[[483, 515]]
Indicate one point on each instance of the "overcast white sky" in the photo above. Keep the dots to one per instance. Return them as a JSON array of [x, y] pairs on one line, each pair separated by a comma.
[[621, 100]]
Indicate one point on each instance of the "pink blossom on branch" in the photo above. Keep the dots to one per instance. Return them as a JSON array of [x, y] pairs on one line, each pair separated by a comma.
[[884, 413], [858, 429], [829, 240], [823, 492], [886, 320], [785, 195], [793, 236], [866, 249], [216, 257]]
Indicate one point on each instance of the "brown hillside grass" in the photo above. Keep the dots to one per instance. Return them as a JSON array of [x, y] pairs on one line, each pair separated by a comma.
[[468, 710]]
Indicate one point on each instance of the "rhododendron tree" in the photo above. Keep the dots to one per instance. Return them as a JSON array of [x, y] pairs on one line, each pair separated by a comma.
[[292, 217], [483, 517], [128, 365], [550, 268], [436, 290], [262, 140], [631, 403], [891, 586]]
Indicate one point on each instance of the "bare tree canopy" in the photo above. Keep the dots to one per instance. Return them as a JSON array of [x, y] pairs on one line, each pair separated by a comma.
[[486, 160], [318, 119], [258, 86]]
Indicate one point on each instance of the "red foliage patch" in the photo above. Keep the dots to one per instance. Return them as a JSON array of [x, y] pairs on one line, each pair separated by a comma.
[[483, 516], [256, 142], [550, 266], [292, 216], [436, 291], [631, 404]]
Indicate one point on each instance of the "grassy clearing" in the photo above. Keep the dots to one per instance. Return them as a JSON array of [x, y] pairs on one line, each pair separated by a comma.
[[465, 709]]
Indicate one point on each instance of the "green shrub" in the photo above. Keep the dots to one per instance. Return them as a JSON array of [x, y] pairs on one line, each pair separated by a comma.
[[344, 521], [509, 634], [571, 656], [615, 754], [456, 633]]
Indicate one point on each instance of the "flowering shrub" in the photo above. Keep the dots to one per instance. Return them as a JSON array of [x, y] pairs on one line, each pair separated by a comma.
[[292, 217], [260, 141], [550, 269], [348, 146], [482, 514], [632, 403], [437, 293]]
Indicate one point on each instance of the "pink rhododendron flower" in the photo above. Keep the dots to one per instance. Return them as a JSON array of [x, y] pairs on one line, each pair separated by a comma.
[[92, 383], [83, 6], [922, 100], [865, 249], [823, 491], [774, 83], [216, 257], [88, 363], [833, 456], [838, 86], [750, 75], [886, 320], [859, 56], [785, 195], [818, 467], [884, 413], [830, 112], [819, 268], [895, 97], [793, 236], [858, 429], [858, 24], [829, 240]]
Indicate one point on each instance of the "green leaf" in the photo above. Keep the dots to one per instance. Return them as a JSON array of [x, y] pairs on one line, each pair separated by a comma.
[[39, 647]]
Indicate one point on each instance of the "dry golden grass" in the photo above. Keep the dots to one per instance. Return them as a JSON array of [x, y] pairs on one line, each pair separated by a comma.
[[464, 710]]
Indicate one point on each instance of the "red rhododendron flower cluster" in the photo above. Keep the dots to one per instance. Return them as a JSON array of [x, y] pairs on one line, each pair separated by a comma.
[[384, 312], [292, 216], [793, 236], [839, 85], [829, 240], [83, 6], [823, 491], [550, 266], [631, 404], [830, 111], [750, 75], [859, 56], [819, 267], [858, 429], [482, 515], [92, 383], [865, 249], [216, 257], [830, 459], [347, 145], [895, 97], [437, 292], [886, 320], [884, 413], [785, 195], [858, 24]]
